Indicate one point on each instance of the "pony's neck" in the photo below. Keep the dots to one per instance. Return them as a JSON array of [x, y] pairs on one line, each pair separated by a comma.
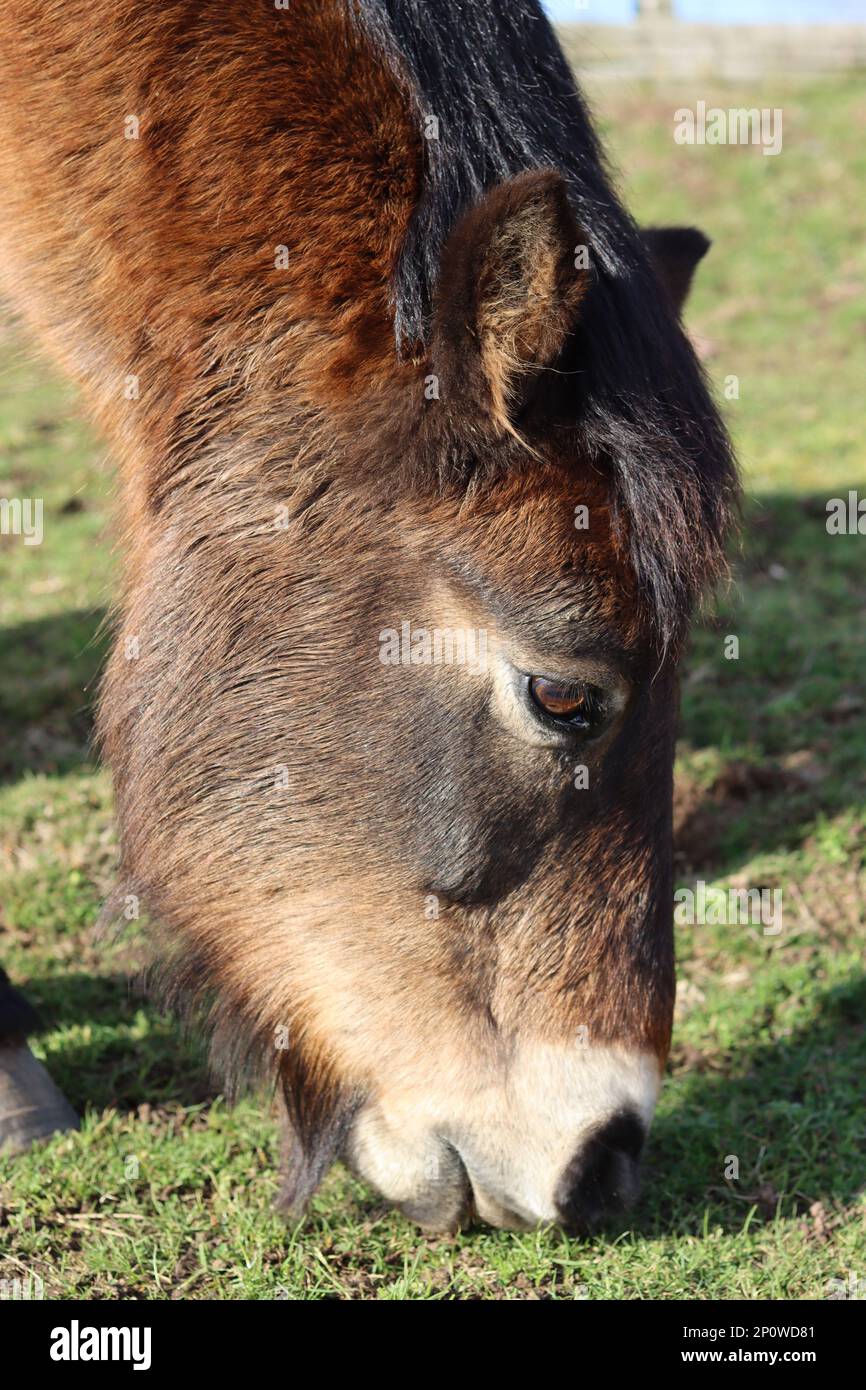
[[204, 209]]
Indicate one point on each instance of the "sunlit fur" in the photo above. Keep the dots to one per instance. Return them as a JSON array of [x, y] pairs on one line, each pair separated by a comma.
[[289, 486]]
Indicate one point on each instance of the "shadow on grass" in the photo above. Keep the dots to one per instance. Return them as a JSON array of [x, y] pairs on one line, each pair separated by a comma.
[[791, 1111], [48, 678], [118, 1050], [783, 712]]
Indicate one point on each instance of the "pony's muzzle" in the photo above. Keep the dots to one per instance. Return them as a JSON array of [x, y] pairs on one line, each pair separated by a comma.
[[600, 1179], [549, 1144]]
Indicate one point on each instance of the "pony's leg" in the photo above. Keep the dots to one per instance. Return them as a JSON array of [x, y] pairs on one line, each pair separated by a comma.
[[31, 1106]]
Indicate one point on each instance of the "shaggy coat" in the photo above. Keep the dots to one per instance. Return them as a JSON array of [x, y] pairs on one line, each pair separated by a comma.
[[318, 272]]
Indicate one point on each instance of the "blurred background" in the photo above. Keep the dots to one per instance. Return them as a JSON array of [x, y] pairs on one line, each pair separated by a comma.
[[657, 39], [167, 1192], [750, 13]]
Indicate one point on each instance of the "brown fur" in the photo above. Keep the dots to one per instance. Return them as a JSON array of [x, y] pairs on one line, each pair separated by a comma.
[[514, 295], [281, 506]]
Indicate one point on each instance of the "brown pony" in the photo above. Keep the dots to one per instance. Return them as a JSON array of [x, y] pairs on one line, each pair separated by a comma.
[[420, 482]]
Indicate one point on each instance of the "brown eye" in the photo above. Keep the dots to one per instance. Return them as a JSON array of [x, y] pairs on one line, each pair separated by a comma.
[[577, 705]]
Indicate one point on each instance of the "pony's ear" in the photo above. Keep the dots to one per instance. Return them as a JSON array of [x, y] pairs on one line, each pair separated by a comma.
[[675, 253], [513, 274]]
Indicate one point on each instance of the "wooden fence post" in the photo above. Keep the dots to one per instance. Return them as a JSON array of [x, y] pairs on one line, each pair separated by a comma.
[[655, 9]]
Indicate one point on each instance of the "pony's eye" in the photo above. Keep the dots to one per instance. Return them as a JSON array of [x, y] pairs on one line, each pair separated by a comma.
[[577, 705]]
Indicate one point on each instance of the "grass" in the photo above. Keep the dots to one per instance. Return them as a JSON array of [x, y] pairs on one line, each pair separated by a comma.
[[166, 1192]]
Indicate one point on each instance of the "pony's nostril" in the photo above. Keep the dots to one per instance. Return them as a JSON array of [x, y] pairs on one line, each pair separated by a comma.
[[602, 1175]]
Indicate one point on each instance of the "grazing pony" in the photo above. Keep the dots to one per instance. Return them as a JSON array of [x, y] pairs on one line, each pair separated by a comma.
[[420, 481]]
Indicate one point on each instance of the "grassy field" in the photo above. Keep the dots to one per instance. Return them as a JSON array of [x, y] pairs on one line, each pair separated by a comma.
[[166, 1192]]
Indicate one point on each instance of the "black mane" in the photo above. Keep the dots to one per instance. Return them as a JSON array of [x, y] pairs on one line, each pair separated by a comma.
[[494, 76]]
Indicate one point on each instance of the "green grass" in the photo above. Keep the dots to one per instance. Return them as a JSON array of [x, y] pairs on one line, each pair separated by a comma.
[[168, 1193]]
